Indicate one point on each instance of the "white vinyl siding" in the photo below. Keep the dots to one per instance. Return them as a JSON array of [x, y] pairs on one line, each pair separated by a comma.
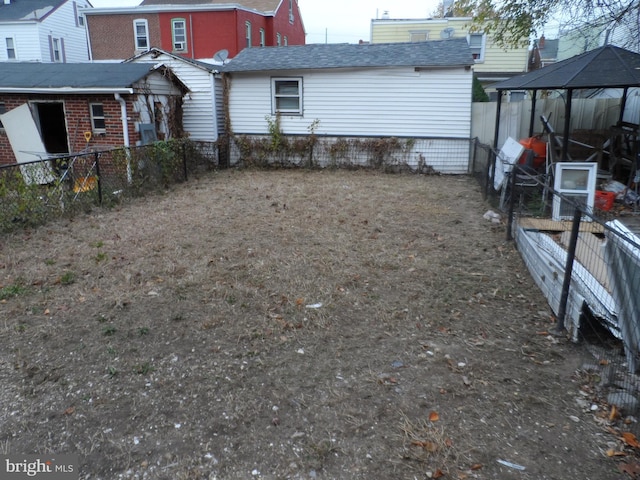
[[201, 112], [388, 102], [63, 23]]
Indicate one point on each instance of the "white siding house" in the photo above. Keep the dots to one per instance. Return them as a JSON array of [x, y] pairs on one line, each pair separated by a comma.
[[409, 90], [43, 31], [203, 104]]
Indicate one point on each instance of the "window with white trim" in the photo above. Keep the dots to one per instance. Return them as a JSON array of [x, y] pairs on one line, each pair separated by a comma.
[[476, 44], [286, 93], [418, 36], [247, 33], [56, 50], [286, 41], [278, 39], [179, 34], [291, 17], [98, 124], [11, 48], [263, 37], [141, 33]]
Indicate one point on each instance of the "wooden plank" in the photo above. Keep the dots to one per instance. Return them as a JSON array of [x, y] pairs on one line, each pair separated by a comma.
[[548, 225], [590, 254]]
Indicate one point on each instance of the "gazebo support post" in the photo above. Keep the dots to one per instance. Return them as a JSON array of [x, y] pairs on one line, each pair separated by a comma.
[[532, 118], [567, 126]]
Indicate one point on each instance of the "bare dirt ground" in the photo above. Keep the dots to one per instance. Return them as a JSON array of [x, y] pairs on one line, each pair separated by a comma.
[[292, 325]]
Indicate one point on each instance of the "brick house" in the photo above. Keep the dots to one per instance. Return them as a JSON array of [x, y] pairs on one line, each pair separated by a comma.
[[47, 109], [195, 29]]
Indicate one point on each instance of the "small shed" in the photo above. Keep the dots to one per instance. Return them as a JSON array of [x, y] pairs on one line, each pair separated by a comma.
[[81, 106], [202, 109], [410, 90]]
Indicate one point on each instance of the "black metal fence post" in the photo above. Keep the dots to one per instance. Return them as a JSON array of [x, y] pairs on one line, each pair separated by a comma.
[[512, 196], [184, 160], [568, 270], [96, 157]]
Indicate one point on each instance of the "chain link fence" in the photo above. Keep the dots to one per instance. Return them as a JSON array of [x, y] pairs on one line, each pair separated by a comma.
[[584, 255], [36, 192]]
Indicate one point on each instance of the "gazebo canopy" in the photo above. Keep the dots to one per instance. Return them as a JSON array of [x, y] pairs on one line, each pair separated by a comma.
[[607, 66], [604, 67]]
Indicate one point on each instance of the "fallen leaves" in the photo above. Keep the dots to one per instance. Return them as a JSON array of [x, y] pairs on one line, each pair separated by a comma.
[[630, 439], [434, 417]]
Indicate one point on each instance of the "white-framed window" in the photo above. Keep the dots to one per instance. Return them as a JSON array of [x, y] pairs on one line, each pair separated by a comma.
[[286, 41], [576, 181], [56, 49], [12, 54], [476, 44], [263, 38], [286, 93], [291, 16], [141, 33], [278, 39], [98, 124], [418, 36], [247, 34], [179, 34]]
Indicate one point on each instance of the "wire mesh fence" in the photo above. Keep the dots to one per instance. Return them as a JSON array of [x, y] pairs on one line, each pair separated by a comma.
[[36, 192], [584, 254], [427, 155]]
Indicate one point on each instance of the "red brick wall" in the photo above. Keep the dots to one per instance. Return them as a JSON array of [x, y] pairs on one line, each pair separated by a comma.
[[112, 36], [78, 119]]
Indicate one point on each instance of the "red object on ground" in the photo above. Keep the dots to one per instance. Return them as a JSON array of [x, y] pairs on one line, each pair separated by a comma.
[[604, 200], [538, 146]]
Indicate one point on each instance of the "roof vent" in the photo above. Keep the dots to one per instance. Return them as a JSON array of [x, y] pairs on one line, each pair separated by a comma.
[[385, 14]]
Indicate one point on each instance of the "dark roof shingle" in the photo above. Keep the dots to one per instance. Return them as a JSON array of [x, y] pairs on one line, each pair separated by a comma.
[[73, 75], [27, 9], [607, 66], [439, 53]]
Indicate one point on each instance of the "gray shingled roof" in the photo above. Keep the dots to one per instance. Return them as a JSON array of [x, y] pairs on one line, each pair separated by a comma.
[[27, 9], [74, 75], [606, 66], [439, 53]]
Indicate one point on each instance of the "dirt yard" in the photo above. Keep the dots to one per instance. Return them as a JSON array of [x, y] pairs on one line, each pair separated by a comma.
[[292, 325]]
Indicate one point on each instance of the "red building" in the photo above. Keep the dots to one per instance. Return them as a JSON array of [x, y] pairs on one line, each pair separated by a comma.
[[193, 28]]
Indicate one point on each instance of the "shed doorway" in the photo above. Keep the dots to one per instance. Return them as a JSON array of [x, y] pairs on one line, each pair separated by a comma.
[[51, 122]]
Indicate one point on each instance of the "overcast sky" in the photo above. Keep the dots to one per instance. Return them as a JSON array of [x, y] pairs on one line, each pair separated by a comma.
[[336, 21]]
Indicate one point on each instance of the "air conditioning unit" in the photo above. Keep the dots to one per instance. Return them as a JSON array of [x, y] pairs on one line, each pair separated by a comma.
[[178, 45]]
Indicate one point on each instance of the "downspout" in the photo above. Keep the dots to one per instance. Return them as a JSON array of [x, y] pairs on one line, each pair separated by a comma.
[[125, 132]]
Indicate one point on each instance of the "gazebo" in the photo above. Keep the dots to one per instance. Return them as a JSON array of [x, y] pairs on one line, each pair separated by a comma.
[[604, 67]]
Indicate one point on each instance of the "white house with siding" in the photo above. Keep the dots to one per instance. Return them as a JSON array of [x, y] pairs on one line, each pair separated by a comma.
[[409, 90], [43, 31], [202, 108]]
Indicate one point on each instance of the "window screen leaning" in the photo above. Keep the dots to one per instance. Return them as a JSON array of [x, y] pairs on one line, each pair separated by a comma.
[[287, 95]]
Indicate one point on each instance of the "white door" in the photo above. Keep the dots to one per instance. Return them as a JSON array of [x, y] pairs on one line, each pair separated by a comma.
[[27, 145]]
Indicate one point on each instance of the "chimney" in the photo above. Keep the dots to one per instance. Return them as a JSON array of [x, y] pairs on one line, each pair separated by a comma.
[[541, 42]]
